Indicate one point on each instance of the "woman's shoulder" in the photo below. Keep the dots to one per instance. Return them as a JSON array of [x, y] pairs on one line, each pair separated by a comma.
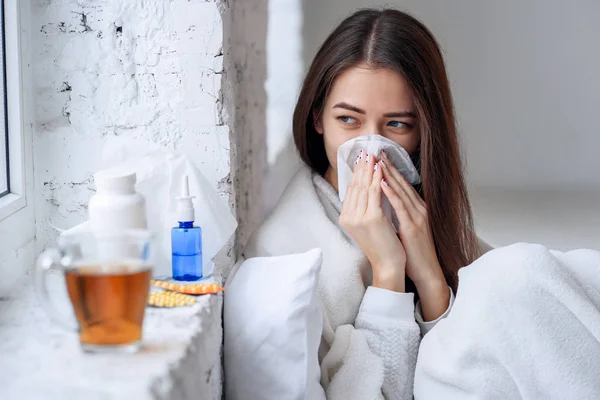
[[483, 246], [283, 231]]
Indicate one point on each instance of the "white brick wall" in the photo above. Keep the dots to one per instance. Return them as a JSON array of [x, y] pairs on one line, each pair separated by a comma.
[[146, 69], [153, 70]]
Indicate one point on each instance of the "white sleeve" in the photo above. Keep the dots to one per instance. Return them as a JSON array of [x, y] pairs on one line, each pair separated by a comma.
[[387, 319], [375, 358]]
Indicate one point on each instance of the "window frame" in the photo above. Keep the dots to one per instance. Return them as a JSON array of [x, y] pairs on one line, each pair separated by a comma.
[[5, 111], [17, 218]]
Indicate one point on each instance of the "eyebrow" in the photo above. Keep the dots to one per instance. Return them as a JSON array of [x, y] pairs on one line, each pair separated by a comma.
[[349, 107], [401, 114], [397, 114]]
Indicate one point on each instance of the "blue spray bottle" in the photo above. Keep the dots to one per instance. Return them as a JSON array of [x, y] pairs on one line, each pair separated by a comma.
[[186, 239]]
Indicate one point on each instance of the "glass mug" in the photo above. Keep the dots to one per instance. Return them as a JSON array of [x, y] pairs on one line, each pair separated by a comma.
[[107, 275]]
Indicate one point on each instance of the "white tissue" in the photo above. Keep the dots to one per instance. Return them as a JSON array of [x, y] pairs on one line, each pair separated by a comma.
[[159, 171], [374, 144]]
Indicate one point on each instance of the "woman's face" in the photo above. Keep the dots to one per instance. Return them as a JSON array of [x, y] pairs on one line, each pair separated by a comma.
[[365, 100]]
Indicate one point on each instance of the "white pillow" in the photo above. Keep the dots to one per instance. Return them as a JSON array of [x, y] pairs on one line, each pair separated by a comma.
[[272, 329]]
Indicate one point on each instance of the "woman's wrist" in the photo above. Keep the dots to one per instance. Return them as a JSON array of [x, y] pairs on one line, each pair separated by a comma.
[[390, 278], [432, 285], [435, 299]]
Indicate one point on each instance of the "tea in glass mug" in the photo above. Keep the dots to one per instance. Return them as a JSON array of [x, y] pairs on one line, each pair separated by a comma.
[[107, 275]]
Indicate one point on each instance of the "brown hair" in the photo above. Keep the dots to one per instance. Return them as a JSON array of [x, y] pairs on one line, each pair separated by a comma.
[[392, 39]]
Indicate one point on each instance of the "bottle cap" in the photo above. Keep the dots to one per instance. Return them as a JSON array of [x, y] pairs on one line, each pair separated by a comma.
[[115, 181], [185, 207]]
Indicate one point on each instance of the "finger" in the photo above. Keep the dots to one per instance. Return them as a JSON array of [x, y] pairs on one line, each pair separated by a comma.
[[375, 190], [358, 169], [400, 192], [350, 200], [368, 170], [399, 206], [408, 188], [367, 179], [364, 180]]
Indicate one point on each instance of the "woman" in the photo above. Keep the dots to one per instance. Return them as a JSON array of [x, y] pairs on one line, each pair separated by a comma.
[[378, 72]]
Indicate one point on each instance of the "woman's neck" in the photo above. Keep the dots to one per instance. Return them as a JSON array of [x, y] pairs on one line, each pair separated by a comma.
[[331, 177]]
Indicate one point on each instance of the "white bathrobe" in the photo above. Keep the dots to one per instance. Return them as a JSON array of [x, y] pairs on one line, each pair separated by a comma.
[[371, 336]]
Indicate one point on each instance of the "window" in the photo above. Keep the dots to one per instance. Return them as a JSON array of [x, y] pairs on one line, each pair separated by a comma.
[[17, 228]]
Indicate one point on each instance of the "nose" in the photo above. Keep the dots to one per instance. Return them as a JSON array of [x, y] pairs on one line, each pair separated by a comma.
[[370, 129]]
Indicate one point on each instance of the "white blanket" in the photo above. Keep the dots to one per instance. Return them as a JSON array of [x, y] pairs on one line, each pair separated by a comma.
[[525, 324]]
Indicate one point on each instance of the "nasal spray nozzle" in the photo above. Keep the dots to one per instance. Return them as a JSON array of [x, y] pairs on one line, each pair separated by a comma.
[[185, 207]]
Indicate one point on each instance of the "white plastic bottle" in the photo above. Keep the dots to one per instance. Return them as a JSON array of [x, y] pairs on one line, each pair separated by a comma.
[[116, 205]]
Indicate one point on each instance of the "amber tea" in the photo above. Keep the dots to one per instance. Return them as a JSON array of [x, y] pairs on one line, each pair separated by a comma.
[[109, 301]]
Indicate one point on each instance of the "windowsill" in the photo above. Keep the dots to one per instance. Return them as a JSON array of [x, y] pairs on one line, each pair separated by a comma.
[[10, 204], [180, 358]]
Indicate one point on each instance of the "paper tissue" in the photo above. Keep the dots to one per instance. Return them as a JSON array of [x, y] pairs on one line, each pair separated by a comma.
[[159, 172], [374, 144]]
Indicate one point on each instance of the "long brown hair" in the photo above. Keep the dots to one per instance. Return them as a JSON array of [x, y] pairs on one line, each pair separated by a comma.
[[392, 39]]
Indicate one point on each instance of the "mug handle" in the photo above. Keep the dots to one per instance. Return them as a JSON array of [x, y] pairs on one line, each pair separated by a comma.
[[47, 261]]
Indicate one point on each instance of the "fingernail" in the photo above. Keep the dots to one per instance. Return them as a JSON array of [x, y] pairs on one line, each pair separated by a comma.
[[384, 155], [360, 155], [375, 167], [367, 158], [384, 182], [383, 164]]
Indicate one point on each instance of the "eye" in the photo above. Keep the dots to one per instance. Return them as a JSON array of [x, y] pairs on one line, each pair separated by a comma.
[[347, 120], [398, 124]]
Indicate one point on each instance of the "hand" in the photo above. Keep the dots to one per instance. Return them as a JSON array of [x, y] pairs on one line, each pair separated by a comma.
[[422, 265], [362, 217]]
